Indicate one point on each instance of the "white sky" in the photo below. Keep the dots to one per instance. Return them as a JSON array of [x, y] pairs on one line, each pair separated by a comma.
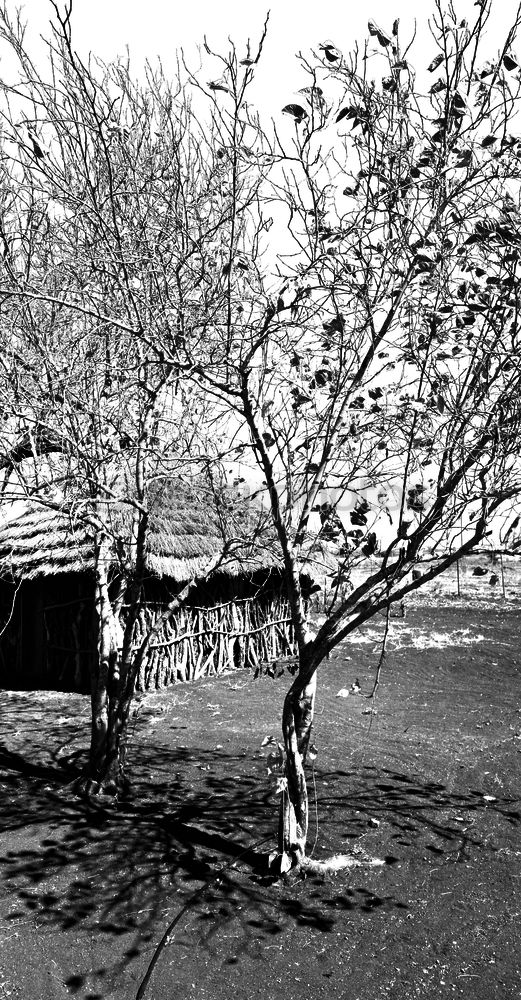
[[154, 28], [159, 27]]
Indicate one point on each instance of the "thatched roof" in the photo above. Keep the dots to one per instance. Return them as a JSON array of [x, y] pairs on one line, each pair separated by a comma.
[[187, 532]]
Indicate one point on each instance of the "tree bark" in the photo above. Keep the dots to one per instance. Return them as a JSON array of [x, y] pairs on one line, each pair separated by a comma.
[[109, 711], [297, 723]]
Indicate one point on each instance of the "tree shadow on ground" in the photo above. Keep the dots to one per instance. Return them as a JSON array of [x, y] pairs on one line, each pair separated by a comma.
[[415, 812], [194, 833], [196, 819]]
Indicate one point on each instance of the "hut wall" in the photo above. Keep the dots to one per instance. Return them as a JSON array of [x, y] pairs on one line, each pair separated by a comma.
[[206, 639], [50, 638], [10, 634]]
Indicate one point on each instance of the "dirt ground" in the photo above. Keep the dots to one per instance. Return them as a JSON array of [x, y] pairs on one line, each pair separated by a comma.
[[428, 783]]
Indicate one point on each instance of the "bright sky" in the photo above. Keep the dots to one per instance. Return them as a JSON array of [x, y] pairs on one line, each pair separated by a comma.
[[160, 27], [154, 28]]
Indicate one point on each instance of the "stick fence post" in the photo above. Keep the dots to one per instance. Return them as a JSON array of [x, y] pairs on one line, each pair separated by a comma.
[[502, 574]]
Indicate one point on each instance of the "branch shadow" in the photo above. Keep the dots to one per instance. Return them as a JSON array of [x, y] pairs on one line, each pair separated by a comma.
[[196, 819], [424, 815], [194, 835]]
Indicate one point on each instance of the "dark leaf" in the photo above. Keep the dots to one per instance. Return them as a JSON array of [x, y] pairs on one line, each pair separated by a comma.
[[312, 91], [483, 228], [296, 111], [359, 514], [346, 113], [487, 70], [335, 325], [376, 393], [322, 377], [489, 140], [37, 149], [509, 62], [217, 85], [299, 398], [441, 404], [506, 234], [330, 532], [438, 86], [437, 61], [268, 439], [395, 26], [371, 544], [330, 53], [382, 36], [464, 160]]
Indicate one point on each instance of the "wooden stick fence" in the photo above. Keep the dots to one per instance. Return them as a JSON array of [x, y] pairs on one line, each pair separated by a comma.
[[199, 641]]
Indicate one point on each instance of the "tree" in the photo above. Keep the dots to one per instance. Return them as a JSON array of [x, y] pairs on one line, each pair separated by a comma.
[[108, 233], [335, 298], [378, 356]]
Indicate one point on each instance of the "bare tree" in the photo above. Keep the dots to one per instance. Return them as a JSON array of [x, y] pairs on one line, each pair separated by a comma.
[[109, 235]]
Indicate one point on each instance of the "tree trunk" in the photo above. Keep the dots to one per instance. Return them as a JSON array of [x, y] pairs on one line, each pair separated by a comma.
[[297, 722], [109, 709], [106, 770]]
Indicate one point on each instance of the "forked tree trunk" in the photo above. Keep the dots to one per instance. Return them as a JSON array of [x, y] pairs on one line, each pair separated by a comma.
[[109, 717], [111, 697], [297, 722], [118, 664], [106, 771]]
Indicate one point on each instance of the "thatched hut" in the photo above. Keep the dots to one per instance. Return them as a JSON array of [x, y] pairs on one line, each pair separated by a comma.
[[236, 617]]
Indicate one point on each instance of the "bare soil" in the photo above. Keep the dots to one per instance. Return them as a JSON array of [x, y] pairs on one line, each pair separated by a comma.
[[427, 779]]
